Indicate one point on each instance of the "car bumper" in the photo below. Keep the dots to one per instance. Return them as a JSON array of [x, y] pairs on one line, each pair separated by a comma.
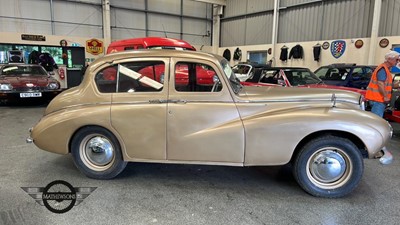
[[28, 95]]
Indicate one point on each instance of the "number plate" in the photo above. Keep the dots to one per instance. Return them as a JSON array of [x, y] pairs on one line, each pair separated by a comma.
[[30, 95]]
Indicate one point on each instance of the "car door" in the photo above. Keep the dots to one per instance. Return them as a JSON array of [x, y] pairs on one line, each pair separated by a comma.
[[139, 105], [203, 123]]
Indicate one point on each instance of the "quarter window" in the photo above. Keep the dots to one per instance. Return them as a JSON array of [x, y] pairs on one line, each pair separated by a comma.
[[196, 77]]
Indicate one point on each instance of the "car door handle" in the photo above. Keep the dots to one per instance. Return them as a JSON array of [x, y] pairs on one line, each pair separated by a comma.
[[177, 101], [157, 101]]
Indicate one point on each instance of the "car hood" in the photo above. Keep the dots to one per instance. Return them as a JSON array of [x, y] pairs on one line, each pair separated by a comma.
[[261, 94], [22, 81], [360, 91]]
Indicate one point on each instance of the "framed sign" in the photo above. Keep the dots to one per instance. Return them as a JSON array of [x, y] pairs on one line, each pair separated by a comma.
[[384, 43], [359, 43], [325, 45], [32, 37]]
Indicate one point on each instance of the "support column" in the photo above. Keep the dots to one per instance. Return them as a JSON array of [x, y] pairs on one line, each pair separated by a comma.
[[275, 27], [106, 23], [217, 11], [374, 32]]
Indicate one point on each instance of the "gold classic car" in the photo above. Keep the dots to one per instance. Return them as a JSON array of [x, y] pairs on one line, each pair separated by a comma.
[[105, 123]]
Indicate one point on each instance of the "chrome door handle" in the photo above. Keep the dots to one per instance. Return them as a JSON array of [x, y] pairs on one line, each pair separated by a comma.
[[157, 101], [177, 101]]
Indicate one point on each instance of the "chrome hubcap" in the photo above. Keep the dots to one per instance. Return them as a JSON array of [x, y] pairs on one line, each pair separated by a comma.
[[329, 168], [97, 152]]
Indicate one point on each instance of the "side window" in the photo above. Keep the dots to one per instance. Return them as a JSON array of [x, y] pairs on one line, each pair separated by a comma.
[[322, 73], [196, 77], [270, 77], [368, 73], [147, 76], [357, 73]]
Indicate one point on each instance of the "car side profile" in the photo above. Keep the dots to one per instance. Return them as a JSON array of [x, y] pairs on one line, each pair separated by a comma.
[[104, 124]]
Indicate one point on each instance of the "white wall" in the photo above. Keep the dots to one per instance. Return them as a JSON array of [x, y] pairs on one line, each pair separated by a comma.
[[55, 41], [351, 54]]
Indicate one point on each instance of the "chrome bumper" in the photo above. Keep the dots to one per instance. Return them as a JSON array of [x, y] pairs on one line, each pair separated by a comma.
[[29, 140]]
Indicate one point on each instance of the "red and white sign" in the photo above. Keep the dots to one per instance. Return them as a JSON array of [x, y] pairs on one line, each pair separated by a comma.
[[94, 46]]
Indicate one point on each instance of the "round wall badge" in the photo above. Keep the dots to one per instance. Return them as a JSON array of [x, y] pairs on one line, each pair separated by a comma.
[[359, 43], [325, 45], [384, 43], [269, 51]]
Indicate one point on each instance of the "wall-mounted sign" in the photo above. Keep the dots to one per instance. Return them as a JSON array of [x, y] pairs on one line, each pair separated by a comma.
[[325, 45], [94, 46], [384, 43], [33, 37], [359, 43], [63, 43], [337, 48]]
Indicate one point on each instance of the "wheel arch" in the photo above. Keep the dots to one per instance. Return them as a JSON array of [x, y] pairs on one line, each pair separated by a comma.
[[353, 138], [94, 126]]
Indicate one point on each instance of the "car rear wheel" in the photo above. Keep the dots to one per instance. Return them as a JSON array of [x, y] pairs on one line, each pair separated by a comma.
[[329, 166], [97, 153]]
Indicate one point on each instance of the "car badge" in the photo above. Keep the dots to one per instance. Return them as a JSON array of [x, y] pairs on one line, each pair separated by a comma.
[[29, 85], [337, 48]]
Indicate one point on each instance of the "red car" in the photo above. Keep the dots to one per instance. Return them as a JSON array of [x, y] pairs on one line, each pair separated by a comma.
[[149, 43], [291, 77], [23, 81]]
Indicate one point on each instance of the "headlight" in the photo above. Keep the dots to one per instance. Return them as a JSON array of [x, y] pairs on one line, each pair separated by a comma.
[[6, 87], [53, 86]]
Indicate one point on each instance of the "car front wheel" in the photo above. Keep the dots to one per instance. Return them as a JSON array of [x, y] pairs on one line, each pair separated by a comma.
[[328, 166], [97, 153]]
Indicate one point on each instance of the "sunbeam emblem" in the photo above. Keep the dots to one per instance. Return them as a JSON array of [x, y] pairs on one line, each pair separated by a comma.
[[59, 196], [29, 85]]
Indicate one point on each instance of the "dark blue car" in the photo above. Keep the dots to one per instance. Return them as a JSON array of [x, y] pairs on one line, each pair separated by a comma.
[[347, 75]]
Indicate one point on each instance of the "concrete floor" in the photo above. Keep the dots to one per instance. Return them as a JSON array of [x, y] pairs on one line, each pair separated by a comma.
[[182, 194]]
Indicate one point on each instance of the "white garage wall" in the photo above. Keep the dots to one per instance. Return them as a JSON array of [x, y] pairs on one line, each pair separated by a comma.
[[351, 54]]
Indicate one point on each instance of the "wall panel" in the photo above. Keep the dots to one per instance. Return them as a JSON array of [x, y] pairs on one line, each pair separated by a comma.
[[166, 6], [130, 4]]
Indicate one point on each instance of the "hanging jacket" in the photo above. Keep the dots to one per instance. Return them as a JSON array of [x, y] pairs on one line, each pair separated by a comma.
[[317, 52], [237, 55], [373, 93], [296, 52], [284, 53]]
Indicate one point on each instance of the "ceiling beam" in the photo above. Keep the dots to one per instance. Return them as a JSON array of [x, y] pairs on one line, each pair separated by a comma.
[[216, 2]]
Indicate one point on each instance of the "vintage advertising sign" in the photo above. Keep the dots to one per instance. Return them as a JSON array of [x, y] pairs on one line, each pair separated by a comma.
[[94, 46], [32, 37], [337, 48]]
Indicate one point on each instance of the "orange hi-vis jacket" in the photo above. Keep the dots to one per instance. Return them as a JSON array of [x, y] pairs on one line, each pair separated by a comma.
[[373, 93]]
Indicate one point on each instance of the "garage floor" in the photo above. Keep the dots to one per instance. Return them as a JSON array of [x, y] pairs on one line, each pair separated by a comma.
[[182, 194]]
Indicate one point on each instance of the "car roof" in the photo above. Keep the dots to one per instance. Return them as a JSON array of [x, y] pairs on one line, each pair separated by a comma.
[[147, 53], [345, 65], [153, 41]]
